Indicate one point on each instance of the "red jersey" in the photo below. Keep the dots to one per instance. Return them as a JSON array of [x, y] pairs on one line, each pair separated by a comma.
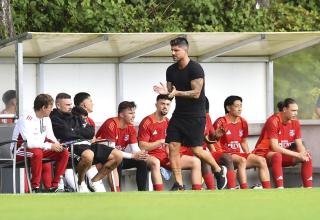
[[151, 130], [276, 129], [90, 122], [111, 131], [235, 133]]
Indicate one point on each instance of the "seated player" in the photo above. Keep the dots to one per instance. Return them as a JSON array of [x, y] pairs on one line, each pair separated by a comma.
[[235, 139], [123, 136], [281, 144], [36, 129], [70, 127], [151, 136], [9, 99]]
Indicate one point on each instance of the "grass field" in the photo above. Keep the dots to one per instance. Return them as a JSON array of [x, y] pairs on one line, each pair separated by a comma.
[[288, 204]]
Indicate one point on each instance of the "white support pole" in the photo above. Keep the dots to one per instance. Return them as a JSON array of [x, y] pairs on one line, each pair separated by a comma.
[[19, 76], [270, 89], [40, 77], [119, 84], [19, 89]]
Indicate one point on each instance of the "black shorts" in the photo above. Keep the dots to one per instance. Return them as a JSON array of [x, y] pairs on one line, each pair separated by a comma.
[[101, 151], [187, 131]]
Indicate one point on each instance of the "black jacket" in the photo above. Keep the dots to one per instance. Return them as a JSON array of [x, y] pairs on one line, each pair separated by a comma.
[[68, 127]]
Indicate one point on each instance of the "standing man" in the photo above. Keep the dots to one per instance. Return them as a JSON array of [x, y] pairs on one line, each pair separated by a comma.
[[123, 136], [36, 129], [185, 81]]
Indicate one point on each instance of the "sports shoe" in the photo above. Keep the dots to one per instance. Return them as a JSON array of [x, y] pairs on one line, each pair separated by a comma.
[[97, 186], [83, 187], [221, 178], [54, 190], [36, 190], [256, 186], [177, 187]]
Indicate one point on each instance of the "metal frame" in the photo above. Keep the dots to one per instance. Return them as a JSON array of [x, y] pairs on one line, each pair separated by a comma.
[[40, 78], [72, 49], [20, 38], [19, 76], [119, 84], [295, 48], [270, 89], [230, 47]]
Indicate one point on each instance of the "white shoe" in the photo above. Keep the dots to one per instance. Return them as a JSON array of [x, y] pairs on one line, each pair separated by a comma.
[[83, 187], [97, 186]]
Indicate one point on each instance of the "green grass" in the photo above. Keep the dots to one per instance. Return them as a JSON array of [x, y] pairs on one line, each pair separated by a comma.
[[288, 204]]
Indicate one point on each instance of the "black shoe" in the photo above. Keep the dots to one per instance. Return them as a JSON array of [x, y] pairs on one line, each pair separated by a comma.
[[256, 186], [36, 190], [54, 190], [68, 189], [221, 178], [177, 187]]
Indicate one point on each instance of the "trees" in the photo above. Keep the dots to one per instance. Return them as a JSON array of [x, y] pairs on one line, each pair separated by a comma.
[[6, 21], [165, 15]]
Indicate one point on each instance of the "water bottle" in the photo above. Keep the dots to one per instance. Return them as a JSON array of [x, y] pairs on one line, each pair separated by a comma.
[[61, 184]]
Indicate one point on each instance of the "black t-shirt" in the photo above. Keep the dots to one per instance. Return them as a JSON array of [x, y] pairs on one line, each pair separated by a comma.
[[181, 79]]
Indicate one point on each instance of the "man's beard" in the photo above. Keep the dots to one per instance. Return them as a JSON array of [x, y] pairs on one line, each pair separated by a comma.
[[163, 113]]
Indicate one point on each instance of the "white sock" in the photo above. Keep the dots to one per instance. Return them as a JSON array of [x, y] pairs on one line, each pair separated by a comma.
[[68, 175], [92, 172]]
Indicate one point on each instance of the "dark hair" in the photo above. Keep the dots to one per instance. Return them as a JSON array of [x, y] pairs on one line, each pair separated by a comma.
[[42, 100], [80, 97], [63, 95], [165, 97], [229, 101], [207, 104], [8, 95], [285, 103], [179, 41], [125, 105], [77, 110]]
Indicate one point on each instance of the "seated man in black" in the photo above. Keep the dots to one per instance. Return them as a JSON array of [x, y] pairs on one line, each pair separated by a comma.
[[69, 127]]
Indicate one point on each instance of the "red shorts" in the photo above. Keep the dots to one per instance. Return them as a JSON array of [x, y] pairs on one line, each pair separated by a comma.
[[186, 151], [286, 160], [261, 152], [244, 155], [163, 158], [217, 156]]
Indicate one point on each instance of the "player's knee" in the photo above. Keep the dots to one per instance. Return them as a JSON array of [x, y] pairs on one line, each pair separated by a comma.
[[87, 156], [242, 162], [196, 163], [64, 153], [227, 161], [154, 163], [116, 155], [37, 154], [262, 161]]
